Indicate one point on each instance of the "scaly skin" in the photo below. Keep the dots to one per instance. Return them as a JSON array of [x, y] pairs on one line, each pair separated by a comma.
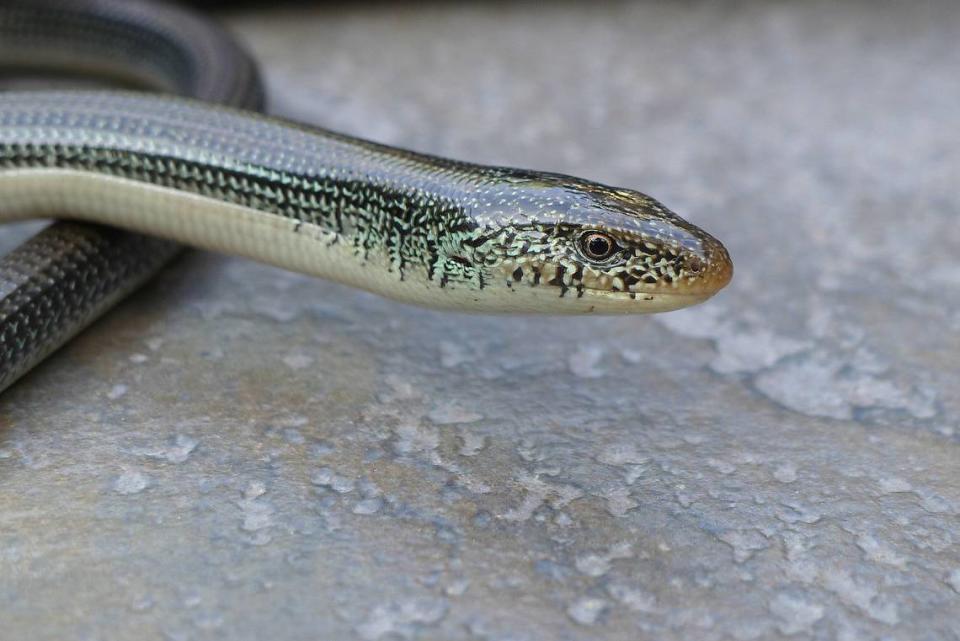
[[406, 225], [413, 227], [63, 278]]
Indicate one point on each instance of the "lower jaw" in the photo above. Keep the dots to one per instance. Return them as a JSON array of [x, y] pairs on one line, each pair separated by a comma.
[[642, 303], [542, 300]]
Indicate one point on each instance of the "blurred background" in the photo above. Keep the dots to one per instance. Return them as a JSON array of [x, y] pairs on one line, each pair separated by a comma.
[[238, 452]]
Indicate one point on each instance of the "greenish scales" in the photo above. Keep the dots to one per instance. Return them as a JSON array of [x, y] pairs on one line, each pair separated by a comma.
[[404, 216], [414, 227]]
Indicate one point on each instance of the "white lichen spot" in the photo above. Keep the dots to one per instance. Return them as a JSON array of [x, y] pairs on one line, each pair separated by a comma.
[[819, 379], [635, 598], [785, 473], [823, 384], [457, 587], [894, 485], [452, 354], [621, 454], [619, 501], [254, 489], [880, 552], [325, 477], [798, 512], [945, 430], [368, 506], [632, 472], [142, 603], [587, 610], [953, 580], [585, 361], [181, 449], [744, 543], [399, 389], [404, 618], [739, 349], [724, 467], [130, 482], [797, 614], [450, 414], [278, 313], [593, 564], [538, 492], [297, 360], [154, 344], [177, 451], [933, 503], [293, 436], [257, 513], [415, 438], [598, 564], [751, 351], [472, 443], [117, 392], [702, 322], [860, 595], [139, 358]]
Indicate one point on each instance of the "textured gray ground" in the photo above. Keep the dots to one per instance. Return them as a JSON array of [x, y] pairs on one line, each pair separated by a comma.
[[242, 453]]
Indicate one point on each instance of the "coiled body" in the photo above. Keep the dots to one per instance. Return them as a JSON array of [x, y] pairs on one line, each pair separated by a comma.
[[410, 226], [65, 277]]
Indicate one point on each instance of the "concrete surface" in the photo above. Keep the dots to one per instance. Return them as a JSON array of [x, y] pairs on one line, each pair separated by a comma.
[[241, 453]]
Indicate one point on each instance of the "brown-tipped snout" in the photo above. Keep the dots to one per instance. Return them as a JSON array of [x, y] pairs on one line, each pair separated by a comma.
[[710, 268], [720, 268]]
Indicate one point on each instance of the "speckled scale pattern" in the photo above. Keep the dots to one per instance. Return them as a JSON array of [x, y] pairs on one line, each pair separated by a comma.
[[448, 224], [75, 272], [415, 227], [375, 198], [66, 277]]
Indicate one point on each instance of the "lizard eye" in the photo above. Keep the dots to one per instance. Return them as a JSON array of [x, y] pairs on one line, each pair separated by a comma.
[[597, 246]]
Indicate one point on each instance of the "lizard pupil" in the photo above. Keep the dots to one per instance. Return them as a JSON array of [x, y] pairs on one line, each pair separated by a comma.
[[597, 246]]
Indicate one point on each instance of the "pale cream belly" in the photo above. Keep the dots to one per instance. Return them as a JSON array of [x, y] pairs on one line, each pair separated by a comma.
[[207, 223]]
